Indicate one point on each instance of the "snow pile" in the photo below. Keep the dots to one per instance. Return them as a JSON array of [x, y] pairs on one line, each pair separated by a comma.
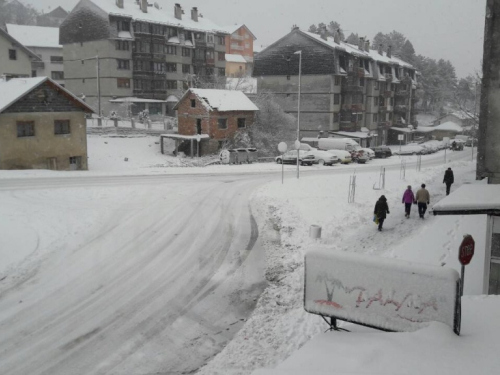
[[449, 126], [279, 325]]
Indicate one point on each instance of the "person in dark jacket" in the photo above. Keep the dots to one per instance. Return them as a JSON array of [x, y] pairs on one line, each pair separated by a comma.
[[381, 209], [448, 180]]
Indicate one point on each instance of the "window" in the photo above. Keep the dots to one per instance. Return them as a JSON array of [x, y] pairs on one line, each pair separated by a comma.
[[12, 54], [33, 73], [186, 68], [336, 98], [337, 81], [25, 129], [57, 75], [210, 54], [123, 26], [123, 83], [375, 100], [193, 103], [198, 126], [390, 116], [158, 66], [158, 84], [158, 29], [158, 48], [360, 117], [221, 40], [361, 64], [381, 101], [171, 84], [241, 123], [222, 71], [172, 67], [247, 45], [392, 101], [121, 45], [56, 59], [336, 117], [142, 84], [123, 64], [377, 85], [210, 38], [375, 117], [61, 127], [222, 123], [171, 50], [221, 56], [362, 82], [186, 52]]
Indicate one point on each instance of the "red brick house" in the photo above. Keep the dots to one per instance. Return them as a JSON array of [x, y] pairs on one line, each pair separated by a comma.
[[217, 113]]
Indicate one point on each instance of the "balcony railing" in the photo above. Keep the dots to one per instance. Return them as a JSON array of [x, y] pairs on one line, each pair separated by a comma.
[[348, 126], [237, 47], [388, 77]]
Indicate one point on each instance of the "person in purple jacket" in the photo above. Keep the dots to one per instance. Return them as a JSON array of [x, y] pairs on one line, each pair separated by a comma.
[[408, 200]]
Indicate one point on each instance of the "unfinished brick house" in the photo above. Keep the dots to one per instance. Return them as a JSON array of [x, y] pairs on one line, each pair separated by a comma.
[[216, 113]]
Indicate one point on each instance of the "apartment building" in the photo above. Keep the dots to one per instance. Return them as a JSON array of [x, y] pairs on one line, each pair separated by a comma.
[[239, 49], [16, 60], [346, 90], [44, 42], [142, 52]]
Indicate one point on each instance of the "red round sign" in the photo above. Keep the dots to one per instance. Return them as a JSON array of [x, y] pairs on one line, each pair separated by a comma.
[[466, 250]]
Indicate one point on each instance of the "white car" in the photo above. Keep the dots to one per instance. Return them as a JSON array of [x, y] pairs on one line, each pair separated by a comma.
[[323, 157], [408, 150], [368, 152], [344, 156]]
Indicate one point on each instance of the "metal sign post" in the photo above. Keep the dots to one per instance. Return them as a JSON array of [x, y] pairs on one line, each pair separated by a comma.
[[465, 254], [282, 147], [400, 138]]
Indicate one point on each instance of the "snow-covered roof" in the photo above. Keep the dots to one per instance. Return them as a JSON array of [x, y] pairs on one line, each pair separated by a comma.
[[136, 100], [448, 126], [223, 100], [16, 88], [246, 84], [354, 50], [172, 99], [164, 14], [233, 28], [478, 198], [235, 58], [35, 36], [25, 49], [185, 137]]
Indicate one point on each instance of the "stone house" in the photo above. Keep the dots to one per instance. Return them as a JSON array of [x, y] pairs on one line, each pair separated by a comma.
[[44, 42], [16, 60], [42, 126], [218, 113], [344, 87]]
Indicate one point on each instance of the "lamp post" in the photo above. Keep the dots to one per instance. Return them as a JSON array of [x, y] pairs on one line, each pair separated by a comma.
[[298, 110]]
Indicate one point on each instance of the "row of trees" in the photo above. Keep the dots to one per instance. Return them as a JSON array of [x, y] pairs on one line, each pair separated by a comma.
[[439, 82]]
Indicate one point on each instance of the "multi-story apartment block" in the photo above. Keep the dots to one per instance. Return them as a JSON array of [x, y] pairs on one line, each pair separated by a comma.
[[16, 60], [145, 54], [239, 47], [44, 42], [346, 90]]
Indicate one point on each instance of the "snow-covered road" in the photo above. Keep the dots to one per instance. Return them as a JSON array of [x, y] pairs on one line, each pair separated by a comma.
[[130, 274], [126, 276]]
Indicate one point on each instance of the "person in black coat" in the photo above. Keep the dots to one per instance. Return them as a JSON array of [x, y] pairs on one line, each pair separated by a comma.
[[381, 210], [448, 180]]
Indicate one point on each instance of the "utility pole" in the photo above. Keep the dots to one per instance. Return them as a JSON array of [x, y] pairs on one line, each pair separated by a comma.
[[298, 109], [98, 87]]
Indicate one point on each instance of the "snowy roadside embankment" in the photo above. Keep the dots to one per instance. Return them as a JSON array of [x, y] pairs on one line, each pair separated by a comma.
[[279, 325]]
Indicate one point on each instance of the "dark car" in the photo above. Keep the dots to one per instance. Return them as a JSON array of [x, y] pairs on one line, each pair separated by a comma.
[[382, 152], [290, 157]]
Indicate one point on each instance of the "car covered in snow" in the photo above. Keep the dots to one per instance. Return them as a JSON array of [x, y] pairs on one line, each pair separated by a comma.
[[369, 152], [290, 157], [413, 149], [344, 156], [323, 157]]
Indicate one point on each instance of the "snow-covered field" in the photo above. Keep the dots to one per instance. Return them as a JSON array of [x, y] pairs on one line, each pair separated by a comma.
[[52, 238]]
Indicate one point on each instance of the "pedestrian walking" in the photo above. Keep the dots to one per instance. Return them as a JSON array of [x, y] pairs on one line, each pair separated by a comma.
[[408, 200], [423, 198], [381, 210], [448, 180]]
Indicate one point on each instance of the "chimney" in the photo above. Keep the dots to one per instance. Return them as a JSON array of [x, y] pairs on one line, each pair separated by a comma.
[[178, 11], [144, 6], [361, 44], [389, 52], [194, 14], [119, 4], [322, 32], [381, 49], [336, 36], [367, 45]]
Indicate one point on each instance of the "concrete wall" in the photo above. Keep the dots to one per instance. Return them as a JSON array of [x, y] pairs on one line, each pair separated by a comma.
[[49, 67], [34, 152], [21, 66]]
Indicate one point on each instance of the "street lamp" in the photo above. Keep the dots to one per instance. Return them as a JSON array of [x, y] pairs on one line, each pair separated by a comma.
[[298, 110]]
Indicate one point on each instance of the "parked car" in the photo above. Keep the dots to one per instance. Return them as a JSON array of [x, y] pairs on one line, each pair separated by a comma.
[[426, 149], [382, 152], [359, 156], [323, 157], [332, 143], [290, 157], [457, 144], [369, 152], [344, 156], [408, 150]]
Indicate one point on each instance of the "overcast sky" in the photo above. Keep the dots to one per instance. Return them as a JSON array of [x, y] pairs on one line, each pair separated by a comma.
[[448, 29]]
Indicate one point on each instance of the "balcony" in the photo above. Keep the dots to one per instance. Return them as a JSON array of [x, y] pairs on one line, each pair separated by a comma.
[[402, 93], [347, 126], [385, 108], [237, 47], [388, 77], [353, 107], [237, 37], [356, 72], [352, 89], [199, 60]]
